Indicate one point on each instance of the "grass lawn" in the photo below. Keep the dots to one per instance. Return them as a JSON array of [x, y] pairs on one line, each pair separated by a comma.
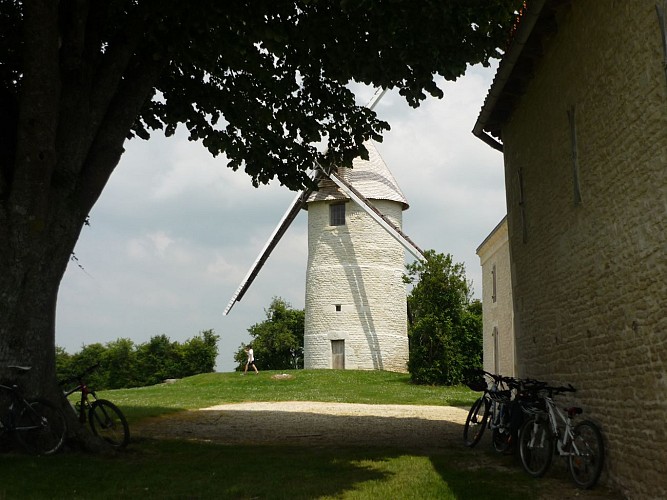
[[189, 470], [341, 386]]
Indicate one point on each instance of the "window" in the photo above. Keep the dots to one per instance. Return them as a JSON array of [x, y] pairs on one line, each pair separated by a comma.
[[663, 27], [337, 214], [496, 350], [339, 308], [575, 156], [522, 207], [493, 293]]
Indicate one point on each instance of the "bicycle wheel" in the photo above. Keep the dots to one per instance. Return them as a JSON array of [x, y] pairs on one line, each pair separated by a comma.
[[41, 428], [585, 463], [502, 439], [109, 423], [476, 423], [536, 446], [500, 423]]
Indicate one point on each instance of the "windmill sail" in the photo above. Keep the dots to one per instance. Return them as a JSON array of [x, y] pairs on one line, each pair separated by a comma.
[[278, 232], [299, 202]]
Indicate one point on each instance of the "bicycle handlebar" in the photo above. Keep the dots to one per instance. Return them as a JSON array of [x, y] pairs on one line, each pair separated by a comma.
[[525, 384], [498, 378]]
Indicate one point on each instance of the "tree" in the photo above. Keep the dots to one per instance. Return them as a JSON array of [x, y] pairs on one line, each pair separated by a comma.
[[198, 354], [121, 363], [89, 355], [277, 341], [158, 360], [445, 325], [262, 82]]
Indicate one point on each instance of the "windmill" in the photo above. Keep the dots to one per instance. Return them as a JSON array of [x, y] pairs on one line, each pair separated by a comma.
[[355, 307]]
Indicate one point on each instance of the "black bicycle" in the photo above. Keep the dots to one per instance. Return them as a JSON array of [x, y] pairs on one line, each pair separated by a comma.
[[508, 410], [105, 418], [38, 425], [491, 410], [500, 408]]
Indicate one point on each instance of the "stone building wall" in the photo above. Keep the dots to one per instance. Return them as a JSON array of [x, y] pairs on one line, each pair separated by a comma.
[[587, 215], [497, 305], [354, 290]]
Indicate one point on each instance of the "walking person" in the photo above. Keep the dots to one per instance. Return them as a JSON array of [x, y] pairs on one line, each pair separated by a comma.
[[251, 360]]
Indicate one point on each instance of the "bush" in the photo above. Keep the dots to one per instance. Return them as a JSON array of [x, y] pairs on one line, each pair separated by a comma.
[[124, 364], [445, 330]]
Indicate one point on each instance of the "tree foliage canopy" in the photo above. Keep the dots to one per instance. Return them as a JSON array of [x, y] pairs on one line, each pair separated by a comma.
[[278, 340], [262, 81], [445, 325]]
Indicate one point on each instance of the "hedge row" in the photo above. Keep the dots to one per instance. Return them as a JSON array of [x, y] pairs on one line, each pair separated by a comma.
[[122, 363]]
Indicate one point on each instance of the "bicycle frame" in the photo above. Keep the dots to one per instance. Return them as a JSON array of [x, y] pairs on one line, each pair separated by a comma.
[[499, 399], [37, 425], [497, 396], [83, 402], [558, 419], [12, 410]]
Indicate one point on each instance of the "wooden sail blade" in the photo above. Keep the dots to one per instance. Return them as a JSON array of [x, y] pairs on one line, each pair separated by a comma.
[[271, 243], [386, 224], [379, 94]]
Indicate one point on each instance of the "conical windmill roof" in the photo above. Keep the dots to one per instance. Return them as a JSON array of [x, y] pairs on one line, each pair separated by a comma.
[[371, 178]]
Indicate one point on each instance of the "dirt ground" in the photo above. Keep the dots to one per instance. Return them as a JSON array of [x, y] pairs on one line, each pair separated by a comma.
[[419, 429]]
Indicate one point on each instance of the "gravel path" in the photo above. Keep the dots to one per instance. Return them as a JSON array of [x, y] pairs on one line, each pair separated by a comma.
[[314, 423]]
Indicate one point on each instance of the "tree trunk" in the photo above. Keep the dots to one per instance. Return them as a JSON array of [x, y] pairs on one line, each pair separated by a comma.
[[33, 258], [69, 123]]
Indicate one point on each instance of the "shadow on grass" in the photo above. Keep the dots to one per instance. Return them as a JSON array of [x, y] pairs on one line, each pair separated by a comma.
[[181, 469]]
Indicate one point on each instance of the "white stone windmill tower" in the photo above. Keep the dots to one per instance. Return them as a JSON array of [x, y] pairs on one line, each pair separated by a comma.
[[355, 306], [356, 313]]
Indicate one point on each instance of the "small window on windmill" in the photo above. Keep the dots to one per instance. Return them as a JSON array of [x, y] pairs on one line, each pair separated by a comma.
[[337, 214], [339, 307]]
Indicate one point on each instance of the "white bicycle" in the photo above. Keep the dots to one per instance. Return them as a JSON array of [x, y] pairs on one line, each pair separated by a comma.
[[552, 430]]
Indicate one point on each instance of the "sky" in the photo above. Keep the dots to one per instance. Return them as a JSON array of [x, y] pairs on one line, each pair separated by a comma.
[[175, 231]]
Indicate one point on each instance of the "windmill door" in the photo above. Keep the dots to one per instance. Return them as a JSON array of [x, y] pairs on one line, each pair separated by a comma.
[[338, 354]]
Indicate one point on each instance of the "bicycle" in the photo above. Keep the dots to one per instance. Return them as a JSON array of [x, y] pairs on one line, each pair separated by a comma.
[[509, 416], [494, 406], [105, 418], [550, 430], [38, 426]]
